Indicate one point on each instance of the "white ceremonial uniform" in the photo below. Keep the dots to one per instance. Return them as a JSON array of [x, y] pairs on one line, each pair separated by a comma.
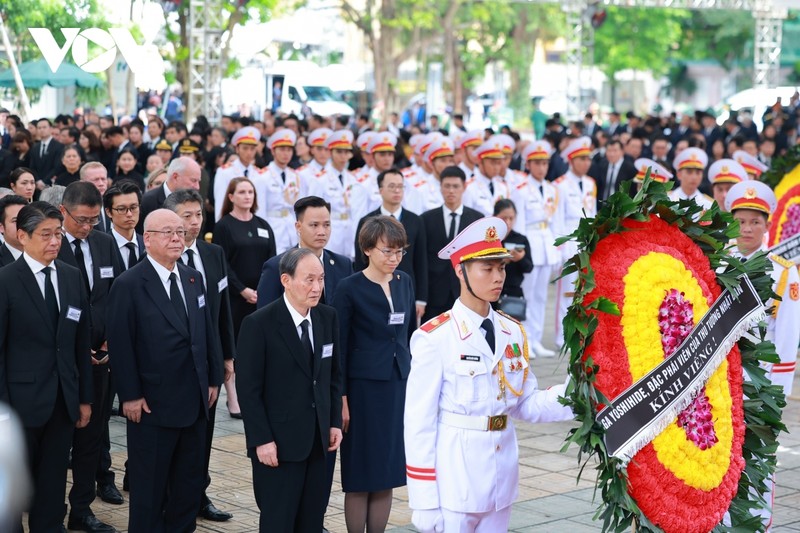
[[577, 197], [366, 196], [223, 177], [700, 199], [276, 200], [466, 169], [455, 384], [307, 173], [337, 192], [514, 178], [536, 206], [480, 197], [418, 186]]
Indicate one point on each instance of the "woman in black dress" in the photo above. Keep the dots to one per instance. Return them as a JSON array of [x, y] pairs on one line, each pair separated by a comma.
[[519, 247], [21, 145], [248, 242], [71, 160], [377, 314]]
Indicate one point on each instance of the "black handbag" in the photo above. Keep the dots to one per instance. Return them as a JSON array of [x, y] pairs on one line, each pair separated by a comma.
[[514, 306]]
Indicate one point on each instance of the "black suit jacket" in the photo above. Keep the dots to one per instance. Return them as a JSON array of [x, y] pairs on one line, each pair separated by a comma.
[[337, 267], [153, 355], [443, 285], [36, 359], [415, 262], [217, 298], [44, 167], [105, 255], [151, 201], [283, 399], [140, 245], [5, 255], [627, 171]]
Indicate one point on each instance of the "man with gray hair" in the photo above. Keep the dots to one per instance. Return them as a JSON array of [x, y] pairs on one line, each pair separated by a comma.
[[97, 174], [182, 173]]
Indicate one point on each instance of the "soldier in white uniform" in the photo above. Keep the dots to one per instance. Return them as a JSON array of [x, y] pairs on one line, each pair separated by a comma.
[[439, 156], [417, 182], [278, 189], [245, 141], [511, 177], [465, 150], [657, 171], [363, 148], [577, 197], [752, 165], [320, 157], [723, 175], [335, 184], [470, 373], [487, 185], [752, 203], [689, 166], [536, 200]]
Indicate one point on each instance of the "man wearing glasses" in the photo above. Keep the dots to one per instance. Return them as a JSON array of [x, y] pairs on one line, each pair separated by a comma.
[[45, 369], [122, 202], [166, 377], [94, 254]]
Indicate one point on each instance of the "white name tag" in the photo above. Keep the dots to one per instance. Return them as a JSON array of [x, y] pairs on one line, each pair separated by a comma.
[[74, 314], [201, 301], [327, 350], [223, 284], [106, 272], [397, 319], [263, 232]]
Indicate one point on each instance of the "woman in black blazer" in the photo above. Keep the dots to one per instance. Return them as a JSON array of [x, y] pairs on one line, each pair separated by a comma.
[[377, 315], [516, 243]]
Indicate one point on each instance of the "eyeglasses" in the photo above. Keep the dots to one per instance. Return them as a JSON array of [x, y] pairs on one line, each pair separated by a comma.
[[46, 236], [121, 210], [394, 187], [397, 253], [83, 221], [168, 232]]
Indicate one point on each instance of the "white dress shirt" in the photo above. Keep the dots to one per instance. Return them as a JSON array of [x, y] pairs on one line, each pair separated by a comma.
[[297, 318], [198, 263], [458, 211], [87, 257], [37, 267], [163, 275], [123, 250]]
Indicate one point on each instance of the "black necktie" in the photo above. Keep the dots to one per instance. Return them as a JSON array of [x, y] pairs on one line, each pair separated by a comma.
[[132, 259], [81, 264], [50, 301], [341, 179], [451, 234], [541, 189], [190, 261], [283, 177], [489, 328], [580, 184], [245, 172], [491, 187], [305, 339], [177, 300], [44, 149]]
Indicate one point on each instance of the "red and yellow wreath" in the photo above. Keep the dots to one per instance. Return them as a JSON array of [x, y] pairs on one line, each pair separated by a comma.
[[647, 274], [784, 178]]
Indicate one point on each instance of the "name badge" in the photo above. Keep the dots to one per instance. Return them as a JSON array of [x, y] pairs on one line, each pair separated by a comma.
[[106, 272], [263, 232], [201, 301], [327, 350], [223, 284], [475, 358], [74, 314], [397, 319]]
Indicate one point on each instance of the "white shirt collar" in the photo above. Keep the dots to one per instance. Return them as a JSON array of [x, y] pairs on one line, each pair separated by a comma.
[[458, 210], [162, 271], [297, 318], [13, 251], [472, 316], [193, 248], [395, 214], [167, 190], [35, 265], [122, 241]]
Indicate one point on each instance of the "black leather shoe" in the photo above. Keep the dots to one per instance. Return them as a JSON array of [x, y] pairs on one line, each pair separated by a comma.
[[209, 512], [109, 494], [89, 523], [125, 486]]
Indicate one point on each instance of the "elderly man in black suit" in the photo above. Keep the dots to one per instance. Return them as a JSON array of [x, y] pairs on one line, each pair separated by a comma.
[[167, 369], [209, 260], [415, 262], [182, 173], [45, 368], [94, 254], [11, 249], [441, 226], [290, 392]]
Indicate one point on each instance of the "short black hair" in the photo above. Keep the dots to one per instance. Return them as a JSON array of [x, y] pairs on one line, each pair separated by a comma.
[[343, 120], [453, 172], [383, 174], [182, 196], [18, 172], [44, 119], [11, 199], [113, 130], [81, 193], [302, 204], [503, 204], [178, 126], [119, 188], [35, 213]]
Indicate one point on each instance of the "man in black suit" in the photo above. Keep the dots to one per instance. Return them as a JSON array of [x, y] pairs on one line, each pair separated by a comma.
[[415, 262], [288, 361], [11, 249], [313, 225], [441, 226], [209, 260], [182, 173], [45, 369], [94, 254], [167, 369], [122, 203], [612, 170], [96, 174], [46, 152]]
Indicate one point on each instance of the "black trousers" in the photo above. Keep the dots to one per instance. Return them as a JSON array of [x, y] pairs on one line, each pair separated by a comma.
[[87, 445], [212, 417], [292, 496], [104, 475], [48, 459], [161, 457]]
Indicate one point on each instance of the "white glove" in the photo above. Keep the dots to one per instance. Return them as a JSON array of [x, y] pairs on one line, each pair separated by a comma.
[[428, 520]]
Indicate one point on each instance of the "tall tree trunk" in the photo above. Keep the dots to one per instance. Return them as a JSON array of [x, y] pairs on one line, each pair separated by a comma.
[[182, 64]]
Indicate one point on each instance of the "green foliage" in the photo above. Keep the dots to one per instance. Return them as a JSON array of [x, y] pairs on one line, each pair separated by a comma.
[[722, 35], [781, 166]]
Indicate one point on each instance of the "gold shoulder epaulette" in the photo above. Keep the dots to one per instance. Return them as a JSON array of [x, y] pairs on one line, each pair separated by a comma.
[[785, 263], [511, 318], [434, 323]]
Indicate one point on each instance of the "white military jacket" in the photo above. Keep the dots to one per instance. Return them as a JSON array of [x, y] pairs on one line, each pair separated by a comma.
[[223, 177], [276, 200], [536, 204], [575, 196], [478, 196], [338, 193]]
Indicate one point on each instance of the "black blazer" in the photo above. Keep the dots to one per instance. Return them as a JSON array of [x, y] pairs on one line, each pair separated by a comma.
[[515, 272], [44, 167], [36, 357], [443, 286], [151, 200], [140, 245], [5, 255], [105, 256], [415, 262], [627, 171], [213, 258], [337, 267], [283, 400], [153, 356]]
